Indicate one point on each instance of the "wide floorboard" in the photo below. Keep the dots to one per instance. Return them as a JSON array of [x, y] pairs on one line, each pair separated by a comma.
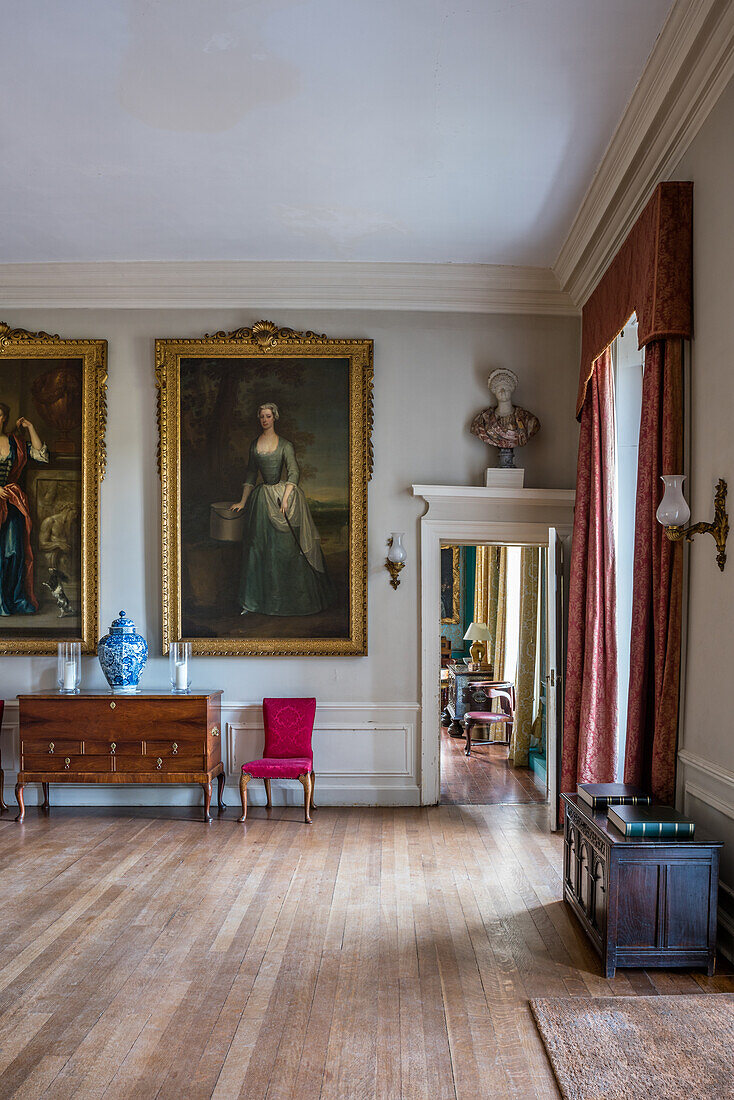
[[378, 953]]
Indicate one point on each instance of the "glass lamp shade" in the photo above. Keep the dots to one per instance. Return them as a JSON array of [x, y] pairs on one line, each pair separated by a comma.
[[673, 510], [477, 632], [396, 552]]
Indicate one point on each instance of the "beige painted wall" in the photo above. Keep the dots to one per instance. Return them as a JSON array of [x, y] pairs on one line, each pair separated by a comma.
[[706, 767], [430, 379]]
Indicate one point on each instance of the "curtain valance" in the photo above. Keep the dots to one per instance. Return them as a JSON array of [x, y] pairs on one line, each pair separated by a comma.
[[651, 276]]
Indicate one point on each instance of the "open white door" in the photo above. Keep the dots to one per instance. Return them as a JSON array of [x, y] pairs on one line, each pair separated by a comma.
[[554, 674]]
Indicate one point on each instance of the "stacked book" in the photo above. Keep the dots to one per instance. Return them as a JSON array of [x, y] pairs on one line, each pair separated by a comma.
[[634, 813]]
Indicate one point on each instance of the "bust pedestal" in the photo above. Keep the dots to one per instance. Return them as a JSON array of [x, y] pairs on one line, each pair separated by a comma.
[[496, 478]]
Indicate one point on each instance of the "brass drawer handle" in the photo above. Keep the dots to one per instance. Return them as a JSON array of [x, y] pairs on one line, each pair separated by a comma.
[[67, 761], [215, 731], [174, 748], [159, 763], [51, 747], [113, 747], [113, 704]]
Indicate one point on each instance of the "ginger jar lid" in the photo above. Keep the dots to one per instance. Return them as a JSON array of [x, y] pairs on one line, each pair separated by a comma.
[[122, 625]]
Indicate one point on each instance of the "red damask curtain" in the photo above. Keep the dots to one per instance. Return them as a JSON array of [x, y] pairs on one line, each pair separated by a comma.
[[651, 276], [657, 592], [589, 752]]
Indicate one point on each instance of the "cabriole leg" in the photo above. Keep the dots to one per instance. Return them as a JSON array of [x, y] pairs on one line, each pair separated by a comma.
[[267, 793], [313, 788], [3, 805], [220, 791], [305, 781], [244, 780], [207, 789]]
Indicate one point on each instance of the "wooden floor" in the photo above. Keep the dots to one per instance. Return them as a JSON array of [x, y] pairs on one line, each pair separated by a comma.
[[376, 954], [485, 778]]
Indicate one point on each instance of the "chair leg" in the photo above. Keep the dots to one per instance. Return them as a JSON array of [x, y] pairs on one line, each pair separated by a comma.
[[313, 788], [244, 780], [267, 793], [305, 781], [3, 805], [467, 734]]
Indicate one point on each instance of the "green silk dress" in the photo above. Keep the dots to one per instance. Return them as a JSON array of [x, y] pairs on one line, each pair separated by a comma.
[[283, 568]]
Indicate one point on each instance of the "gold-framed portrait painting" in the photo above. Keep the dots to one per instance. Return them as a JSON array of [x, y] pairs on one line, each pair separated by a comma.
[[265, 456], [52, 460], [450, 584]]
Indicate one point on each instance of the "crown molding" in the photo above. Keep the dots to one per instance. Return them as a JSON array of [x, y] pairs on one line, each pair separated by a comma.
[[688, 69], [456, 288]]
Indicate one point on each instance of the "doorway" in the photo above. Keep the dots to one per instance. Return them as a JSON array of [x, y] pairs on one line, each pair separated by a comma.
[[493, 643]]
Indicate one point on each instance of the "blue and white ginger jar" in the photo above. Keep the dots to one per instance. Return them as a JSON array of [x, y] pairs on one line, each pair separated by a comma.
[[122, 654]]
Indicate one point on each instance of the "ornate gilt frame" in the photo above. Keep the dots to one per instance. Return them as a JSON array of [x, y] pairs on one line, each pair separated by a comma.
[[17, 343], [456, 587], [262, 341]]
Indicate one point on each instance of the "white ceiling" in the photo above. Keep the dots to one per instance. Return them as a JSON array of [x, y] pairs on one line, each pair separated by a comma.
[[369, 130]]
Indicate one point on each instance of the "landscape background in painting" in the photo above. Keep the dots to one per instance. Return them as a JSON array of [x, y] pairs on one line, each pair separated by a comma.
[[48, 392], [219, 398]]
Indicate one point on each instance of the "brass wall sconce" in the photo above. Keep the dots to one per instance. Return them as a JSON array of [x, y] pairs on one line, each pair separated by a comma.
[[396, 557], [674, 513]]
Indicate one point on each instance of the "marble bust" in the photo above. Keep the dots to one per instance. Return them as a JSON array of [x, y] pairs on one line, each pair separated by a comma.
[[504, 425]]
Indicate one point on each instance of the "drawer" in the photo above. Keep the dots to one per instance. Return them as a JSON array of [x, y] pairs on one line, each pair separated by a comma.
[[160, 764], [108, 747], [175, 748], [55, 747], [99, 765], [117, 719]]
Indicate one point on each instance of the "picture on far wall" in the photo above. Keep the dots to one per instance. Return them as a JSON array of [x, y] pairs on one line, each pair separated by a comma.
[[265, 457], [450, 584], [52, 456]]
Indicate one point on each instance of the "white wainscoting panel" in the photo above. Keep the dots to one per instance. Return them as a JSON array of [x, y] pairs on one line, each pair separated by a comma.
[[365, 754], [706, 794]]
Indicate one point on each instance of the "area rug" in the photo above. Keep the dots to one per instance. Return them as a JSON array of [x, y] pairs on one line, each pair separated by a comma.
[[622, 1048]]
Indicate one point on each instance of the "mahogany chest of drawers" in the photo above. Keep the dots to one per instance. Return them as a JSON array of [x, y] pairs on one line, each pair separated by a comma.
[[103, 738], [642, 902]]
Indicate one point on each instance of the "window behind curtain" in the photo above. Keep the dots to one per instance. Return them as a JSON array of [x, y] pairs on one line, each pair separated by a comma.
[[628, 368]]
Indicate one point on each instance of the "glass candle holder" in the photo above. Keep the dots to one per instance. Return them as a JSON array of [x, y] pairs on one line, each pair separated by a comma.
[[69, 667], [179, 658]]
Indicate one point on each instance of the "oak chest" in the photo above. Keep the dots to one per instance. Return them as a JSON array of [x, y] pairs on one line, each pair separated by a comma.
[[642, 902]]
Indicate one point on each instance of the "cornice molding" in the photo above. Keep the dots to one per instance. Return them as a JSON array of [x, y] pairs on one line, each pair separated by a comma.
[[456, 288], [688, 69]]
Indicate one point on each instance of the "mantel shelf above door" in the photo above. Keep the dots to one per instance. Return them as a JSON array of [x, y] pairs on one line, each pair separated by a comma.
[[468, 503]]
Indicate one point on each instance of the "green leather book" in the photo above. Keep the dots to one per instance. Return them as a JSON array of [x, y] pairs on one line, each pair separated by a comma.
[[651, 821], [598, 795]]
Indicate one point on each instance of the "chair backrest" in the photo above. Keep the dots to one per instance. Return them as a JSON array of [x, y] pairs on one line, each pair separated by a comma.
[[288, 726]]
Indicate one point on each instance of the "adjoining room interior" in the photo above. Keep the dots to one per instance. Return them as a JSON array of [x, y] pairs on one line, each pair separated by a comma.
[[493, 608], [376, 360]]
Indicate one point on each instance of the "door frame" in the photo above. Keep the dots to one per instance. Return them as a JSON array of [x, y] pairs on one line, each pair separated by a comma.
[[519, 517]]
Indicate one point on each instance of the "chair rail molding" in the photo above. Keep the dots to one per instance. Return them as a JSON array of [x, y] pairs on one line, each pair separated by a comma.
[[365, 754], [273, 285], [689, 67], [468, 514]]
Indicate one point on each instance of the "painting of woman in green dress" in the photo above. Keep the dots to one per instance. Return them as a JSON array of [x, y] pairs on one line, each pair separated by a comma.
[[265, 461], [283, 570]]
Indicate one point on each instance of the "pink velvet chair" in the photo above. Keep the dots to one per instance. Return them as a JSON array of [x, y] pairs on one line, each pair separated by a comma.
[[287, 754]]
